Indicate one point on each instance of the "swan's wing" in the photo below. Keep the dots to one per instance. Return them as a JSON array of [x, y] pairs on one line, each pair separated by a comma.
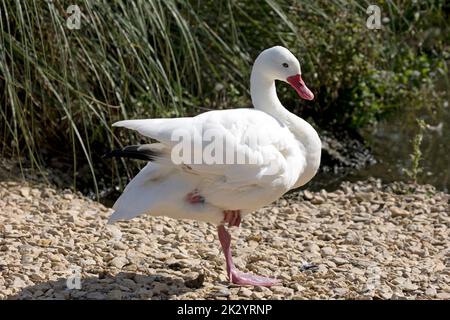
[[164, 130], [255, 149]]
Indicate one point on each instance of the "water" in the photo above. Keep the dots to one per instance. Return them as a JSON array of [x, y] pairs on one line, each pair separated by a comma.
[[391, 144]]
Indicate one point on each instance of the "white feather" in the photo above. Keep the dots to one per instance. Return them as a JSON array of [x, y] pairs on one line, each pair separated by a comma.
[[286, 155]]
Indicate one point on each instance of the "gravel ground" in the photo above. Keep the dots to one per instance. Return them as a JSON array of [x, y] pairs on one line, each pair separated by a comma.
[[364, 241]]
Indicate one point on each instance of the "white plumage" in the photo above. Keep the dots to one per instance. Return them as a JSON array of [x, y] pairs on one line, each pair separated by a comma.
[[284, 152]]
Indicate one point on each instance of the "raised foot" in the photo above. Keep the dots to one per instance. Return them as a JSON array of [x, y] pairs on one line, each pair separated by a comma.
[[242, 278]]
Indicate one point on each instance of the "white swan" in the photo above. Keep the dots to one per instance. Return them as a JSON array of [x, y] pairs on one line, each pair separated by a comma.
[[281, 152]]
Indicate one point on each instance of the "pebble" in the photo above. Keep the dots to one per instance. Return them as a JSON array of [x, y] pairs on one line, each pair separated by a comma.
[[431, 292], [339, 261], [398, 212], [244, 292], [327, 251], [119, 262], [115, 232], [443, 295], [368, 241], [18, 283], [340, 291], [95, 296], [222, 292], [115, 295], [408, 286]]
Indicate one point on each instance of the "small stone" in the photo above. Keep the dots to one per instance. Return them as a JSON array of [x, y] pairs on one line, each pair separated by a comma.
[[244, 292], [340, 291], [19, 283], [385, 292], [339, 261], [89, 262], [25, 192], [145, 293], [408, 286], [398, 280], [120, 246], [398, 212], [443, 296], [119, 262], [95, 296], [159, 288], [327, 251], [317, 200], [196, 282], [222, 292], [258, 295], [308, 195], [115, 294], [114, 231], [68, 196], [286, 292], [313, 248], [431, 292]]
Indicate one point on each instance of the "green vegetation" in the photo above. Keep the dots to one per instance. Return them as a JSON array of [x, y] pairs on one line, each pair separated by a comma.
[[61, 88], [416, 155]]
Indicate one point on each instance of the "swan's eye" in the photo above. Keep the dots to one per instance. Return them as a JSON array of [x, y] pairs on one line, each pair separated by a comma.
[[285, 65]]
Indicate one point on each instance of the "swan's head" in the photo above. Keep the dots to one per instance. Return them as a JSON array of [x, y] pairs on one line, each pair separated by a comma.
[[278, 63]]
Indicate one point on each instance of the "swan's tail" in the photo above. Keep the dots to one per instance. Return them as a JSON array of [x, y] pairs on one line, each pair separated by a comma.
[[147, 152]]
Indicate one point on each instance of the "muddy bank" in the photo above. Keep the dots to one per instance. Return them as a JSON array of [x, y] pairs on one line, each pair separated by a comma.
[[363, 241]]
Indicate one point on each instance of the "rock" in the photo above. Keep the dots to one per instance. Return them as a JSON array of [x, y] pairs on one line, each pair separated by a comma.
[[443, 295], [115, 295], [159, 288], [355, 245], [408, 286], [145, 293], [339, 261], [431, 292], [119, 262], [313, 248], [244, 292], [398, 212], [18, 283], [385, 292], [327, 251], [89, 262], [222, 292], [398, 280], [258, 295], [308, 195], [286, 292], [68, 196], [95, 296], [114, 231], [340, 291], [25, 192], [318, 200], [196, 282], [120, 246]]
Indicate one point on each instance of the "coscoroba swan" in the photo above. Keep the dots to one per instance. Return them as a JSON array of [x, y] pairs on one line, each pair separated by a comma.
[[221, 165]]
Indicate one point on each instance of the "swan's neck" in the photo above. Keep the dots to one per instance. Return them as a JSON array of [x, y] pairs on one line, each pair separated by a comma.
[[264, 98]]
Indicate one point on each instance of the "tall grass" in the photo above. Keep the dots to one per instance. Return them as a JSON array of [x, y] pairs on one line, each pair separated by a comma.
[[61, 88]]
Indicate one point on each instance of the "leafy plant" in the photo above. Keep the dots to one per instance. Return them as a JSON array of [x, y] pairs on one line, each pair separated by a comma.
[[416, 155]]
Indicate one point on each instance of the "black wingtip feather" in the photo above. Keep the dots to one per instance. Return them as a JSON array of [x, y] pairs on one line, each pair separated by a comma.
[[139, 152]]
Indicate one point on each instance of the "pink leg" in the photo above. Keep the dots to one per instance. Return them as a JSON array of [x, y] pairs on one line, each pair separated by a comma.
[[234, 274], [233, 217]]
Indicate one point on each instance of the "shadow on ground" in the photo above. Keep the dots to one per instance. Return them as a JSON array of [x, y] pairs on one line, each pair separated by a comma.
[[123, 285]]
